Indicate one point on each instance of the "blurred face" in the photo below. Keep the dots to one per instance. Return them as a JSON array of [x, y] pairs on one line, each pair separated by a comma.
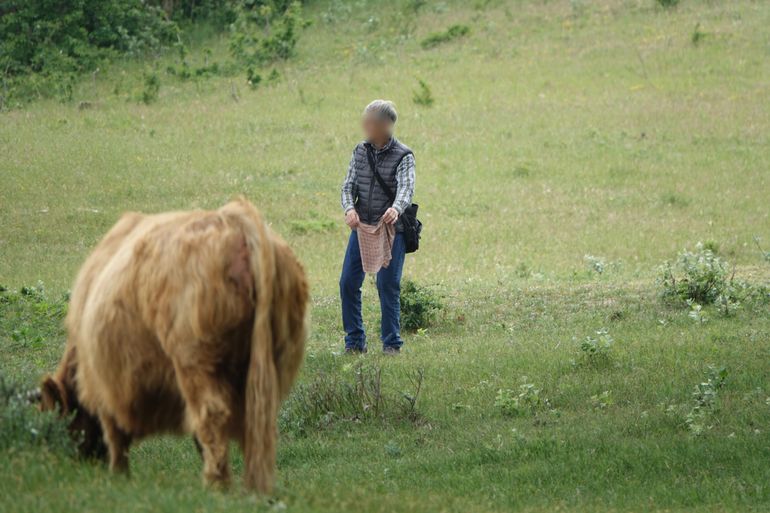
[[375, 129]]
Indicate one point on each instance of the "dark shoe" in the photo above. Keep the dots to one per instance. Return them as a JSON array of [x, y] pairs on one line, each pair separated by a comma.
[[391, 350], [355, 350]]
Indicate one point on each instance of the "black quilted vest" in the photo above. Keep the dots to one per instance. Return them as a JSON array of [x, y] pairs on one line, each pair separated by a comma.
[[371, 200]]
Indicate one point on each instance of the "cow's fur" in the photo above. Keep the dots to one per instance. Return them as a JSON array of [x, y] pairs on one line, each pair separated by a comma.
[[185, 322]]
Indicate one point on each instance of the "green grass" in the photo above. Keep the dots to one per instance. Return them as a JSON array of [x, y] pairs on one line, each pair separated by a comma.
[[558, 130]]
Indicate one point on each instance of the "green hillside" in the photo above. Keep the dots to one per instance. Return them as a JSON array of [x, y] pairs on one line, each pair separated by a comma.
[[570, 148]]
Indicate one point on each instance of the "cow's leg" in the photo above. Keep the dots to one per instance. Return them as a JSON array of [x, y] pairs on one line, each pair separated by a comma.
[[208, 410], [118, 442]]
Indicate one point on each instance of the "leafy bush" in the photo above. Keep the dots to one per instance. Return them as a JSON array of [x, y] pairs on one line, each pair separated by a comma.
[[151, 88], [45, 44], [22, 425], [699, 276], [265, 31], [423, 96], [526, 401], [359, 395], [450, 34], [419, 306], [668, 3], [596, 350]]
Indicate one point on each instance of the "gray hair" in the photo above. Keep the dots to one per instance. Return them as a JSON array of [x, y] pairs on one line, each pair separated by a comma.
[[385, 110]]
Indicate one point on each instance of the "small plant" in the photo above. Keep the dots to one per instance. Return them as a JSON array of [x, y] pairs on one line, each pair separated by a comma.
[[450, 34], [419, 306], [151, 88], [696, 312], [596, 350], [423, 95], [253, 78], [697, 35], [602, 401], [596, 264], [704, 397], [698, 275], [667, 4], [726, 305], [765, 254], [526, 401]]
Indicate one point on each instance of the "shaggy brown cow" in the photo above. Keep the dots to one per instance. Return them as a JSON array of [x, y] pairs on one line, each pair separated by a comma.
[[185, 322]]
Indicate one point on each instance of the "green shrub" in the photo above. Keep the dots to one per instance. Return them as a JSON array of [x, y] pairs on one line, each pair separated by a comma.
[[668, 3], [265, 32], [699, 276], [450, 34], [697, 35], [45, 45], [597, 350], [151, 88], [23, 426], [526, 401], [419, 306], [423, 96]]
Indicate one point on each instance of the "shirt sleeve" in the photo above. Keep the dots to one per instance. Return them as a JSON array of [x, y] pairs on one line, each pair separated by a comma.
[[347, 199], [405, 180]]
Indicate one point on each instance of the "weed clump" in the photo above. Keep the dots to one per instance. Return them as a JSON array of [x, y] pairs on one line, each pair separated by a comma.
[[450, 34], [22, 426], [698, 276], [704, 397], [360, 395], [419, 306], [527, 401], [423, 95], [596, 350], [151, 88]]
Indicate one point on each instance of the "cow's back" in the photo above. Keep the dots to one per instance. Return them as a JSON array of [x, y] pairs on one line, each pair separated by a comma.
[[142, 295]]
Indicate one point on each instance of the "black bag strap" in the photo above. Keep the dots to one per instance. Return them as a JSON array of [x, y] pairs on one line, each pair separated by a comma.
[[388, 191]]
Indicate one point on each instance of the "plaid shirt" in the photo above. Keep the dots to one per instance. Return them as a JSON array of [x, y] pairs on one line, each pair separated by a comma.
[[404, 192]]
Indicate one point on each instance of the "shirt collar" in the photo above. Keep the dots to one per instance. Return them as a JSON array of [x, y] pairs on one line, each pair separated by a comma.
[[384, 148]]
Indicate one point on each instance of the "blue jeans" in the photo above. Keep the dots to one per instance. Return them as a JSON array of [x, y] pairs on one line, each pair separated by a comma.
[[388, 287]]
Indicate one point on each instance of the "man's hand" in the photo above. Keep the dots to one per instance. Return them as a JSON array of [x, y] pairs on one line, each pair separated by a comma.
[[351, 218], [390, 216]]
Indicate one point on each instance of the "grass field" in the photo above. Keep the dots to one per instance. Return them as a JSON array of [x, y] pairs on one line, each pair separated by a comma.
[[559, 130]]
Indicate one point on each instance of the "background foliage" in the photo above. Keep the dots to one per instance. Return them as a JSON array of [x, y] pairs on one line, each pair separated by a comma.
[[46, 45]]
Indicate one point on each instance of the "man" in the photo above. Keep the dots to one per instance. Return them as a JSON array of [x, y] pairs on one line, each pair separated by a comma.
[[365, 201]]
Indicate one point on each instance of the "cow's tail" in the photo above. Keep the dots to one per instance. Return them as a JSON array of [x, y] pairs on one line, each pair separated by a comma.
[[262, 387]]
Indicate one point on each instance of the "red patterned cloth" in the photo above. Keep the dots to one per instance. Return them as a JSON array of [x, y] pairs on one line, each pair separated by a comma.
[[375, 243]]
